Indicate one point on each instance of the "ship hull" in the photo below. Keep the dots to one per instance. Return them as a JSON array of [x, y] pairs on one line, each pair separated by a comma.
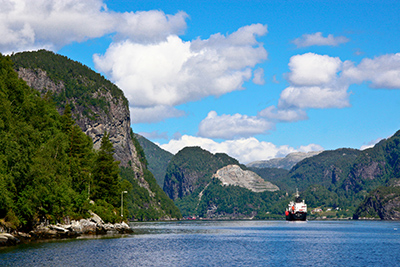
[[298, 216]]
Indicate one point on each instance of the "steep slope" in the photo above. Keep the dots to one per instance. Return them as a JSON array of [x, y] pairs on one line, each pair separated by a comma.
[[283, 163], [44, 159], [375, 166], [327, 168], [98, 106], [382, 203], [157, 158]]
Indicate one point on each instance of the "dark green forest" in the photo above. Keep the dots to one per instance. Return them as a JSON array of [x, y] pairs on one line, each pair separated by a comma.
[[49, 170], [79, 80], [157, 158]]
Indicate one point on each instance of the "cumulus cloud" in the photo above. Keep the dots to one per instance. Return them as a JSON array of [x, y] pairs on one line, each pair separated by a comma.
[[314, 97], [315, 83], [28, 25], [232, 126], [321, 81], [312, 69], [317, 39], [173, 72], [382, 71], [283, 115], [154, 114], [245, 150]]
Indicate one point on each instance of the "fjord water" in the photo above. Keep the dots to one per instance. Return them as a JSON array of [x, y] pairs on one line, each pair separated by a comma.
[[224, 243]]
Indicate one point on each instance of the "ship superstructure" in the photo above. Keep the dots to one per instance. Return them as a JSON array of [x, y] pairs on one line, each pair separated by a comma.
[[297, 209]]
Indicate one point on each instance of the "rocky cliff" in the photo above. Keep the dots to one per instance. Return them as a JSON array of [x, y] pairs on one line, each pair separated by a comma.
[[283, 163], [234, 175], [98, 106], [382, 203]]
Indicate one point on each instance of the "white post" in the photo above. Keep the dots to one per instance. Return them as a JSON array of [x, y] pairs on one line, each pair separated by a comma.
[[122, 202]]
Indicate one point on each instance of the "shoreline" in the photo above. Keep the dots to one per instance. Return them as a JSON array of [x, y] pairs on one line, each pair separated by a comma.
[[93, 226]]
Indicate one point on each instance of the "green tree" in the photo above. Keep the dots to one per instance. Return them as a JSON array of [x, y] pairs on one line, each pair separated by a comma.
[[106, 173]]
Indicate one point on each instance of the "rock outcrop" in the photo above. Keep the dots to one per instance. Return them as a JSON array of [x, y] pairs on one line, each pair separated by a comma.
[[192, 168], [234, 175], [382, 203], [116, 121], [92, 226]]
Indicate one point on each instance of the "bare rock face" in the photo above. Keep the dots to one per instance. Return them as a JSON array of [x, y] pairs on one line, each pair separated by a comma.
[[234, 175], [383, 203], [283, 163], [116, 121]]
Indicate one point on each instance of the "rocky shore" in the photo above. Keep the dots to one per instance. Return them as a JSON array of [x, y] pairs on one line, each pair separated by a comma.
[[92, 226]]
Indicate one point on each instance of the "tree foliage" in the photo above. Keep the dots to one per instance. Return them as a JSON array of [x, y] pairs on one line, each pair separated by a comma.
[[48, 167], [79, 80]]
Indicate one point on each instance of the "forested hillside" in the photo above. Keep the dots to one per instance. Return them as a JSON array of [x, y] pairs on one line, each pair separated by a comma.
[[189, 182], [341, 179], [157, 158], [46, 162], [49, 170], [191, 168], [96, 104]]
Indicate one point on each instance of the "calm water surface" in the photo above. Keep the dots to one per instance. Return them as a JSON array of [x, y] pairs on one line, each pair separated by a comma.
[[228, 243]]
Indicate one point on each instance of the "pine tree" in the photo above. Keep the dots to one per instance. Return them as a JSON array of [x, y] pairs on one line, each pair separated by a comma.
[[106, 173]]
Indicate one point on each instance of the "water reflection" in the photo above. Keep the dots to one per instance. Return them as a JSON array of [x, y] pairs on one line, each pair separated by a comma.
[[223, 243]]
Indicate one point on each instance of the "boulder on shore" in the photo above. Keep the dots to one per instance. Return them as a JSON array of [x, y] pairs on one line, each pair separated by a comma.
[[92, 226]]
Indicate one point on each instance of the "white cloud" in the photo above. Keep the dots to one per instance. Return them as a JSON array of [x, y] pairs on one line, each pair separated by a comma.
[[259, 76], [315, 83], [314, 97], [382, 71], [154, 114], [150, 26], [310, 147], [371, 144], [313, 70], [173, 72], [51, 24], [244, 150], [283, 115], [317, 39], [232, 126]]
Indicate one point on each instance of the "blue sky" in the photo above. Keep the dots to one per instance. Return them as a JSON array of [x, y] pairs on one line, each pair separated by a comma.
[[253, 79]]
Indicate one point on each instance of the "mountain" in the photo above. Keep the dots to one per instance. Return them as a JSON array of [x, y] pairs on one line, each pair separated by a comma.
[[192, 168], [216, 186], [157, 158], [330, 167], [283, 163], [98, 107]]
